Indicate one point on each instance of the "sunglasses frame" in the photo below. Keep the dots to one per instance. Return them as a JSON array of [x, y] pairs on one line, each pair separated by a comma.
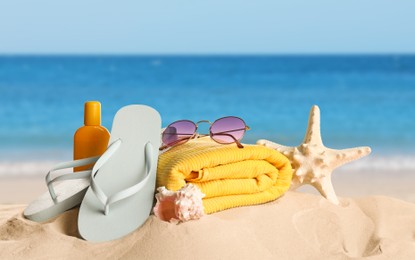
[[196, 135]]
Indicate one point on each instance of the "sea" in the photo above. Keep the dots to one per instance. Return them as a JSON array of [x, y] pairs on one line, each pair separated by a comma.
[[365, 100]]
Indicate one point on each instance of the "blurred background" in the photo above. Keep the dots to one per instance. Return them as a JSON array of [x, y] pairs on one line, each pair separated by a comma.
[[267, 62]]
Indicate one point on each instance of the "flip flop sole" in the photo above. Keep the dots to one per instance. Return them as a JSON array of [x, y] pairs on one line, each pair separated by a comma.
[[69, 194]]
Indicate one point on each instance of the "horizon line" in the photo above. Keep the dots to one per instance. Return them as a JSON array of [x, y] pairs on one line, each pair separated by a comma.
[[202, 54]]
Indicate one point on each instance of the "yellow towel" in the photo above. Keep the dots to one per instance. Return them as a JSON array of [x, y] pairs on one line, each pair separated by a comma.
[[229, 176]]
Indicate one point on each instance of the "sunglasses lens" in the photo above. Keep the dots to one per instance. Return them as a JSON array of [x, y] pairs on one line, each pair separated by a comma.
[[178, 132], [228, 129]]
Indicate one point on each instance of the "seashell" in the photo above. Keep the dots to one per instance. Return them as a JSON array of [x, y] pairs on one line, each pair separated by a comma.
[[179, 206]]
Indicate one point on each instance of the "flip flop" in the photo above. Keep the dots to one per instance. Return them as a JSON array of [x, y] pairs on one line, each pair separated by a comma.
[[63, 196], [121, 196]]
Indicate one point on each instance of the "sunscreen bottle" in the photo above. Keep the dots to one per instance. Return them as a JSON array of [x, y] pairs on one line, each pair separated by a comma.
[[92, 138]]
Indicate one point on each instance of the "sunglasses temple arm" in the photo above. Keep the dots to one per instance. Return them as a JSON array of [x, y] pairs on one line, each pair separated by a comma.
[[238, 143], [172, 144], [231, 136], [175, 142]]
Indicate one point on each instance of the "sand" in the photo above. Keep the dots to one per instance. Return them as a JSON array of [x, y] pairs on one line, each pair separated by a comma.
[[368, 224], [296, 226]]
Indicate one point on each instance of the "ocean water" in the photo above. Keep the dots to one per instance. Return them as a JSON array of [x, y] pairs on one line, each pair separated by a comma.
[[364, 100]]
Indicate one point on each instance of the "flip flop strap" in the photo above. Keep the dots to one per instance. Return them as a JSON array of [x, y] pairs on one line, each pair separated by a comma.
[[128, 192], [69, 176]]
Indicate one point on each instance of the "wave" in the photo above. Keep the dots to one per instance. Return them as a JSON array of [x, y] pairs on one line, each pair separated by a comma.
[[383, 163]]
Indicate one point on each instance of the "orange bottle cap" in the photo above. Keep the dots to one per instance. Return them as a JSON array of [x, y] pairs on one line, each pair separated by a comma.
[[92, 114]]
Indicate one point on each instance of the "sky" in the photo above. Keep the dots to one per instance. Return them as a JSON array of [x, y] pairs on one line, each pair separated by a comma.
[[207, 27]]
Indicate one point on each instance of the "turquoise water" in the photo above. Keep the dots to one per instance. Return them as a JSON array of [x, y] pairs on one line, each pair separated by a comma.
[[364, 100]]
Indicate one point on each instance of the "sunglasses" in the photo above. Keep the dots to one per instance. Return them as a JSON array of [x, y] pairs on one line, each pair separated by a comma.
[[225, 130]]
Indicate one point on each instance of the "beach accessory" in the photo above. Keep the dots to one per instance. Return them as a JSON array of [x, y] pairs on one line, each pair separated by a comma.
[[228, 176], [121, 195], [92, 138], [179, 206], [225, 130], [63, 196], [313, 163]]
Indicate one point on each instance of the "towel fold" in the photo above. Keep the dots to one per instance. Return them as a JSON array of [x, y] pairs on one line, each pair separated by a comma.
[[229, 176]]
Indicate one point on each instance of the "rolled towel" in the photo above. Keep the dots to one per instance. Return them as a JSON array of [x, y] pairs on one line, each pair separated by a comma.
[[228, 176]]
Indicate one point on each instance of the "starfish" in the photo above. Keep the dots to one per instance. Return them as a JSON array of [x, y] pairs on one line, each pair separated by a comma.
[[312, 162]]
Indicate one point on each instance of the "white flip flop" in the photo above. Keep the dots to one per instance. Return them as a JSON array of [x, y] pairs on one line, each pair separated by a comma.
[[121, 196], [62, 196]]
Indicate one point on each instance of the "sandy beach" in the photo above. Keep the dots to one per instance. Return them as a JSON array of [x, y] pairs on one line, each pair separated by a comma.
[[376, 220], [297, 226]]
